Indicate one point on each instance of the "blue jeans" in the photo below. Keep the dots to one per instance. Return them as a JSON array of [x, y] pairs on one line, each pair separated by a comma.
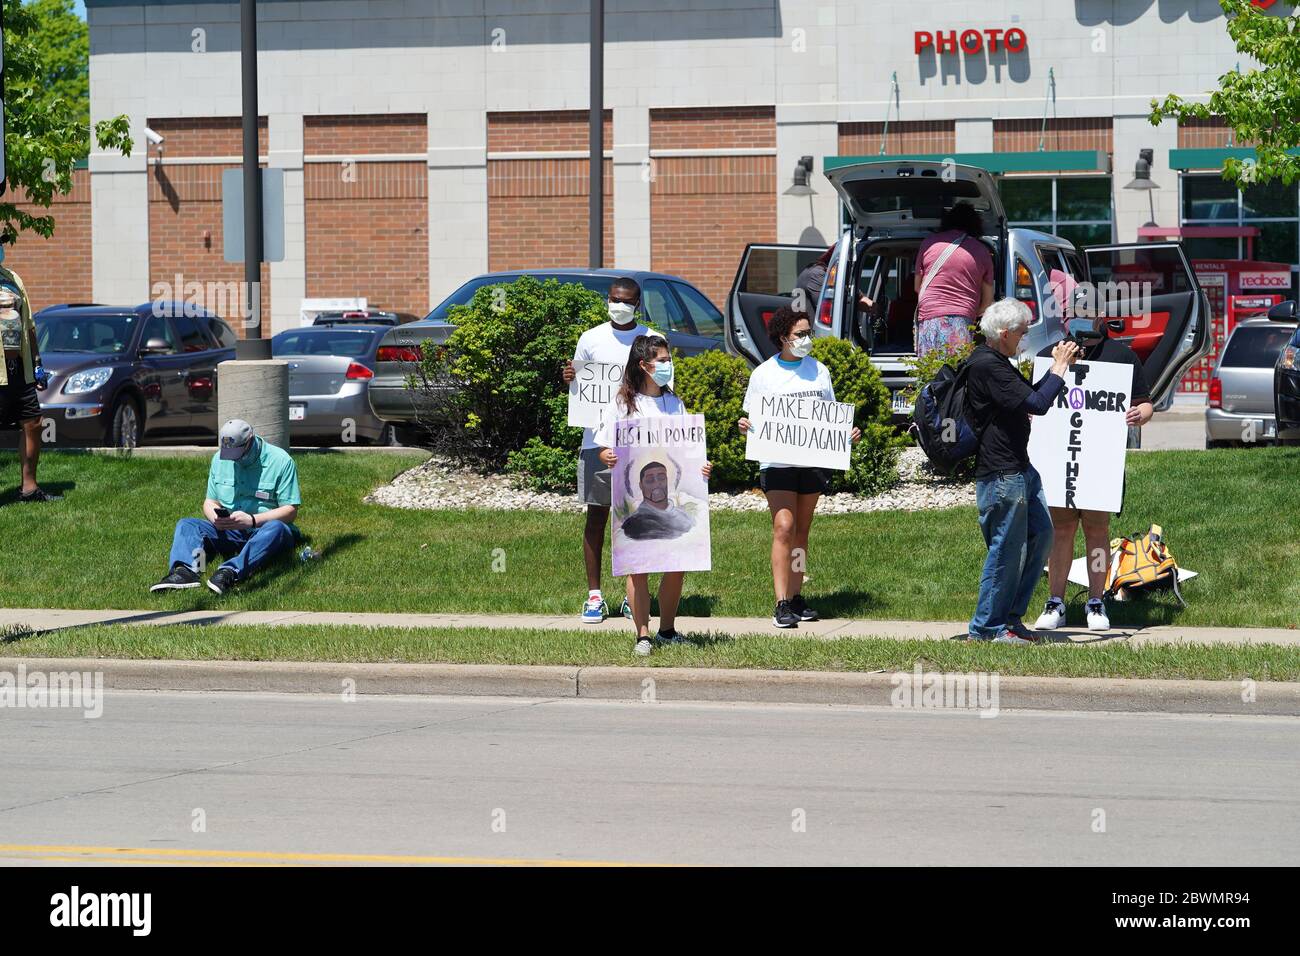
[[247, 549], [1018, 531]]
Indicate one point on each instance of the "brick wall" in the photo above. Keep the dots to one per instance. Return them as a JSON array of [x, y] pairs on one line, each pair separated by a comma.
[[902, 138], [1210, 133], [537, 208], [705, 209], [1022, 135], [367, 223], [57, 269], [185, 228]]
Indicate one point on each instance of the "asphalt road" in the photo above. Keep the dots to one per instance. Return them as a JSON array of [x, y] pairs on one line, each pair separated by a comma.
[[268, 778]]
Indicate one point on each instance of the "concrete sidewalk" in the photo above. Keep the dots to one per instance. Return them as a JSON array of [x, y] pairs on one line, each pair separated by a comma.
[[48, 619]]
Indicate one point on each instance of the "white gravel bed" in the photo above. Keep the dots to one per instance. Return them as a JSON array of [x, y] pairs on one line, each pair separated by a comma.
[[439, 485]]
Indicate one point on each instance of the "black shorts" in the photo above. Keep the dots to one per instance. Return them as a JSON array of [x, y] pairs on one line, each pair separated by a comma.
[[18, 401], [802, 481]]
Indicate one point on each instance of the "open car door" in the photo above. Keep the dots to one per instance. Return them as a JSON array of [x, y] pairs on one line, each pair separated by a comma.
[[1151, 287], [763, 284]]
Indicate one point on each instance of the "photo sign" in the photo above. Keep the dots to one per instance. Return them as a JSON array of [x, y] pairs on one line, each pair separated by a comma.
[[800, 430], [659, 497], [1079, 446], [592, 389]]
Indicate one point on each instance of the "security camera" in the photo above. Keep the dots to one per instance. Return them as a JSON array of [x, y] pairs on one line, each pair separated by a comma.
[[151, 136]]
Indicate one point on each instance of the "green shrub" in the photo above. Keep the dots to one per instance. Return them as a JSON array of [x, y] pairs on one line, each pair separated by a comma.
[[713, 384], [543, 467], [873, 465], [492, 393]]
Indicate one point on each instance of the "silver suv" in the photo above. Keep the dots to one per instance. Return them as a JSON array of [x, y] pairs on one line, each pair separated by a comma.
[[1241, 408], [892, 206]]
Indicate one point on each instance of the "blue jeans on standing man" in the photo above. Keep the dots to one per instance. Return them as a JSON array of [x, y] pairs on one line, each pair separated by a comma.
[[1018, 531], [248, 549]]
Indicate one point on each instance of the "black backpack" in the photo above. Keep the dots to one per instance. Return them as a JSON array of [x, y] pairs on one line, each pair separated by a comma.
[[940, 421]]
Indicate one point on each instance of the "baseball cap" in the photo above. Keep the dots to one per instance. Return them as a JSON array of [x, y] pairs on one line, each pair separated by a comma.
[[236, 439]]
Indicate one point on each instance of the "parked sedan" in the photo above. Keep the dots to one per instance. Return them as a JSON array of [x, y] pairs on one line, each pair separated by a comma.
[[120, 374], [693, 325], [330, 370], [1286, 380], [1241, 401]]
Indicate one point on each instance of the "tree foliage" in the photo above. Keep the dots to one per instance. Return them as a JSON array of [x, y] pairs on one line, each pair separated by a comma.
[[46, 116], [1261, 105]]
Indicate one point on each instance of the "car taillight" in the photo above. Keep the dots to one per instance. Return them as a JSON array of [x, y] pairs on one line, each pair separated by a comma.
[[398, 353], [824, 312], [1025, 288], [1216, 392], [358, 371]]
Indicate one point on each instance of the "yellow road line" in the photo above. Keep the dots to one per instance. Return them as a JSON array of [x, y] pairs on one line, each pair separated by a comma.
[[162, 854]]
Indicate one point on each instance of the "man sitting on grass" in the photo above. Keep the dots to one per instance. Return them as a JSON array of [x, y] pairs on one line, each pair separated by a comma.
[[252, 500]]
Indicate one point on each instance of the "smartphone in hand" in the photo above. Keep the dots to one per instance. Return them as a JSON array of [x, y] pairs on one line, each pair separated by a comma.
[[222, 512]]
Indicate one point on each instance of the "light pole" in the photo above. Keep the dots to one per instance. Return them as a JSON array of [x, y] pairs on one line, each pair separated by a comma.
[[253, 346], [596, 139]]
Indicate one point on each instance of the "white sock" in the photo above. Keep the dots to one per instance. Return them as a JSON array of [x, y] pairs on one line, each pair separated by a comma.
[[1057, 600]]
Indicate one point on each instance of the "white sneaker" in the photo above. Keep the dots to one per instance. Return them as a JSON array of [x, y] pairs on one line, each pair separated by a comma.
[[1097, 619], [1053, 616], [643, 647]]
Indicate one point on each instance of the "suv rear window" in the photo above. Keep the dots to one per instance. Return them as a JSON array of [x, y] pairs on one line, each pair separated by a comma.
[[1162, 266], [1255, 346], [774, 271]]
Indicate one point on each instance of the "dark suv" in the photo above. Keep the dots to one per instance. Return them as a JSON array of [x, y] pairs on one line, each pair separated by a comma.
[[123, 373]]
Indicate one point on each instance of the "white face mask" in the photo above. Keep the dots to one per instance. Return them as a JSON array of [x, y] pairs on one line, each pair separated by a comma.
[[620, 313], [801, 347]]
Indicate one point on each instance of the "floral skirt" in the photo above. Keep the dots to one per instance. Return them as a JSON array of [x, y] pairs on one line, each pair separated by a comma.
[[943, 332]]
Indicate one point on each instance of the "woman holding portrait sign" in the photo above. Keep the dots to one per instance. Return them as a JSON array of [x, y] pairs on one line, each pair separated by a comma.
[[645, 394], [792, 491]]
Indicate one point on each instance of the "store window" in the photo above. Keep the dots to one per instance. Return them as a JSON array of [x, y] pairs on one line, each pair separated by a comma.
[[1274, 208], [1077, 208]]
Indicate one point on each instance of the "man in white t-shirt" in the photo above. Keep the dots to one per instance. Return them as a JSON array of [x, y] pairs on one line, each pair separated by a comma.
[[608, 343]]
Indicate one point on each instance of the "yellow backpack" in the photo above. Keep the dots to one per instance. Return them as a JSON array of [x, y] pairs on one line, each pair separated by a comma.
[[1141, 561]]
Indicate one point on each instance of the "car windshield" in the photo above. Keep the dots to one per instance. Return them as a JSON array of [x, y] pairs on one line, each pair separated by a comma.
[[1255, 347], [466, 292], [105, 334], [353, 343]]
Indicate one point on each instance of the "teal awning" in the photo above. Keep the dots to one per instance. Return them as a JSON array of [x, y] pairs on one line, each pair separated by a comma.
[[1209, 158], [1032, 161]]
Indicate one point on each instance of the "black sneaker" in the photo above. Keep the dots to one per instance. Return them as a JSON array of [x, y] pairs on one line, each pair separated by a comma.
[[40, 494], [799, 607], [222, 580], [180, 578], [785, 615], [670, 636]]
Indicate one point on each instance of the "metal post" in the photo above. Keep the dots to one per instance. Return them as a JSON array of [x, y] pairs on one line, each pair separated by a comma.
[[596, 144], [253, 346]]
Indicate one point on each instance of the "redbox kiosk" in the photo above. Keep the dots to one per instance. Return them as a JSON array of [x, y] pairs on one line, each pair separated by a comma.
[[1237, 289]]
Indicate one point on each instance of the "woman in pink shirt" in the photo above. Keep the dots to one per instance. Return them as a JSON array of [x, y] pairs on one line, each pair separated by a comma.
[[954, 281]]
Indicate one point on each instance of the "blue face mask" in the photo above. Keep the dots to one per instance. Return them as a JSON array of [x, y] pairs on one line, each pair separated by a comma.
[[663, 373]]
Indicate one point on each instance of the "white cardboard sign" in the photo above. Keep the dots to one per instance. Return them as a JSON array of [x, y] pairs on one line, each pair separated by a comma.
[[592, 389], [800, 430], [1079, 446]]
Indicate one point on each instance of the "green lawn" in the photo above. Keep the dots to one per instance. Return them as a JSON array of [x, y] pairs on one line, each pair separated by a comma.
[[1232, 515], [606, 646]]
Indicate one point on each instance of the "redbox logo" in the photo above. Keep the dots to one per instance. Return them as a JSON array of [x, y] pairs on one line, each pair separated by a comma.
[[1265, 280], [970, 41]]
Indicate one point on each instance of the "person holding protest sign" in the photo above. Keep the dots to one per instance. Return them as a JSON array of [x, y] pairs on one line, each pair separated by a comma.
[[1014, 519], [953, 281], [792, 492], [1097, 346], [607, 343], [646, 393]]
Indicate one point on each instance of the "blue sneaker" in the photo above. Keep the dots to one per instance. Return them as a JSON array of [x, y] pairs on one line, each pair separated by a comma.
[[594, 611]]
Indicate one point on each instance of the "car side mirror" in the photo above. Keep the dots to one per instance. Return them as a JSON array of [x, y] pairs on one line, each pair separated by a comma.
[[1115, 325], [1283, 311], [155, 345]]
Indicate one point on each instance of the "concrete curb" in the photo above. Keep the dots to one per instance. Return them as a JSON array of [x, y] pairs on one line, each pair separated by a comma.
[[908, 689]]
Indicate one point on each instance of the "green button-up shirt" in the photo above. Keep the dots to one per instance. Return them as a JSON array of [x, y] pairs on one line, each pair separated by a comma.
[[263, 480]]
